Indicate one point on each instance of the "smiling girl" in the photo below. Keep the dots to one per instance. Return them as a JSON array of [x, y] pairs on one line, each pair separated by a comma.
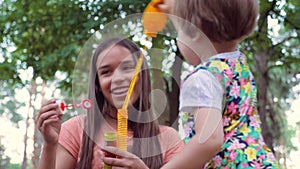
[[74, 144]]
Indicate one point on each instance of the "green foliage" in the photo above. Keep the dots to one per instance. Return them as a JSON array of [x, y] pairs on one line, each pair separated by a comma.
[[4, 160], [48, 35], [8, 103], [14, 166], [282, 50]]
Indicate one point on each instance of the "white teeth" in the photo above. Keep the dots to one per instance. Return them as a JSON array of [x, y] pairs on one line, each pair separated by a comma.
[[119, 91], [115, 92]]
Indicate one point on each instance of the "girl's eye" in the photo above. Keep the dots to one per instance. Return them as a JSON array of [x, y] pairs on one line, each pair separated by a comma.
[[104, 72], [128, 67]]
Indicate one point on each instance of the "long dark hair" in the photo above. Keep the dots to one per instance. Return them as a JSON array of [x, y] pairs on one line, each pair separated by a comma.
[[140, 130]]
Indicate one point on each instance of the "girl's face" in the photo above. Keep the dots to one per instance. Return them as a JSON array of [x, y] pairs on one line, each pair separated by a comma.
[[115, 67]]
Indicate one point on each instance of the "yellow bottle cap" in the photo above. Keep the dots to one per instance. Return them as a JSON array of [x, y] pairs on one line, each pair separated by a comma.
[[107, 166], [110, 136]]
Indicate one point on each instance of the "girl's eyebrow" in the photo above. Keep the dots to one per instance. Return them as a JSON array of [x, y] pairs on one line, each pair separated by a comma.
[[127, 61], [103, 67], [123, 62]]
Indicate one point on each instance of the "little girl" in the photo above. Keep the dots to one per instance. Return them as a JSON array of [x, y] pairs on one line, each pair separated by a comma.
[[218, 99]]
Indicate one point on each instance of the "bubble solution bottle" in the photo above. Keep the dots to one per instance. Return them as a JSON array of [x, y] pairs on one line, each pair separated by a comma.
[[110, 139]]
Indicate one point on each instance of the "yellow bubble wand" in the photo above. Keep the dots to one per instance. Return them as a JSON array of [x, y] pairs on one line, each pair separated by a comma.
[[154, 20]]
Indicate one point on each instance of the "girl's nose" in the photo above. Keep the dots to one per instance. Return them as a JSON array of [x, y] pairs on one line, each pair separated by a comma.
[[118, 76]]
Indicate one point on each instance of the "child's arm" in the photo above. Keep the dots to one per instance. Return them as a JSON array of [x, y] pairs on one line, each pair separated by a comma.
[[204, 145]]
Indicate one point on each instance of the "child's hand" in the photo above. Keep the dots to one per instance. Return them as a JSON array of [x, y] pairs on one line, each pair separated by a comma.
[[124, 159], [167, 6], [49, 122]]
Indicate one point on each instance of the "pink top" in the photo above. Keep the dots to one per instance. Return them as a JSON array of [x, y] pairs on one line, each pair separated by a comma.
[[71, 139]]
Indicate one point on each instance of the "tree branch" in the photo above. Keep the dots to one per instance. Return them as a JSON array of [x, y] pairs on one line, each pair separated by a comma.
[[286, 19], [265, 17]]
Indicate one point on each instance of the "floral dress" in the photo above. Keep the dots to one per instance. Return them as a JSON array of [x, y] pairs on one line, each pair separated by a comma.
[[243, 145]]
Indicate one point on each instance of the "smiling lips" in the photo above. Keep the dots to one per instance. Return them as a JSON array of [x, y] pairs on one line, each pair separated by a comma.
[[119, 92]]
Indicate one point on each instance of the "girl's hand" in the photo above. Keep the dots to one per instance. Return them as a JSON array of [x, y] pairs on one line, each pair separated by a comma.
[[48, 122], [167, 6], [124, 160]]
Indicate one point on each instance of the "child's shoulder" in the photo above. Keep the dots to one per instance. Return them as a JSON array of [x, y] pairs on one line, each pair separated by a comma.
[[199, 75]]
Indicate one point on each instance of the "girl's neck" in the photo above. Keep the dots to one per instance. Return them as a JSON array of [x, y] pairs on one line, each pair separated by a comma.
[[111, 117], [113, 112], [224, 47]]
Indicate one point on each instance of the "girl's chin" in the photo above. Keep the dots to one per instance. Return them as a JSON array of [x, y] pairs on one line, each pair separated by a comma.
[[118, 102]]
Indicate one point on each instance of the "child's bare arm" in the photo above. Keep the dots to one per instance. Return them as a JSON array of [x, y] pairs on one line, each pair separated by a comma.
[[204, 145]]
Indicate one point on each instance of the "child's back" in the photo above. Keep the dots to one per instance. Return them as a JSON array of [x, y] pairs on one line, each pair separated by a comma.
[[243, 145]]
